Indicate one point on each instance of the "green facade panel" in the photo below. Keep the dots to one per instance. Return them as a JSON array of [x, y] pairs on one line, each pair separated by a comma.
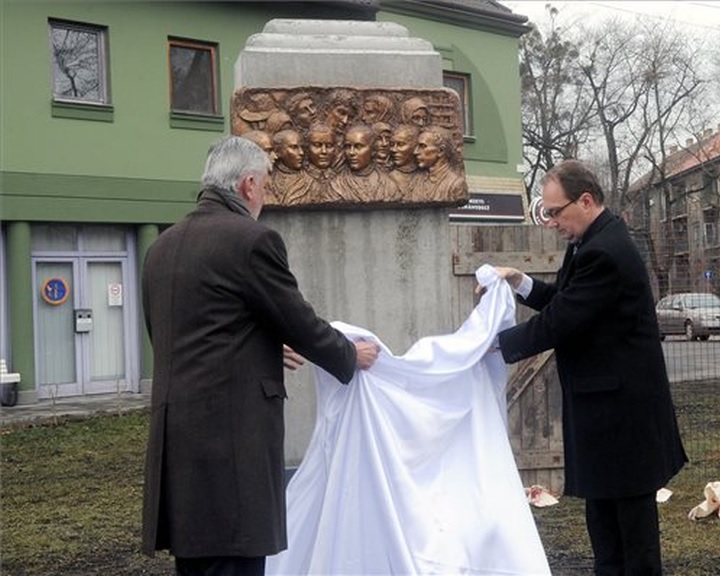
[[491, 60], [132, 161]]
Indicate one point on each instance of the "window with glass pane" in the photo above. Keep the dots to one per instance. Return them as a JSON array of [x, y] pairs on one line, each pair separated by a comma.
[[461, 84], [79, 62], [193, 78]]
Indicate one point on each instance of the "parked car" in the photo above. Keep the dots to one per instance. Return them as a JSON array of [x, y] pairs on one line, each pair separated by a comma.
[[694, 314]]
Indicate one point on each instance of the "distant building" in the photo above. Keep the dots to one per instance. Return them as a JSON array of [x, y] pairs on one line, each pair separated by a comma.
[[677, 206]]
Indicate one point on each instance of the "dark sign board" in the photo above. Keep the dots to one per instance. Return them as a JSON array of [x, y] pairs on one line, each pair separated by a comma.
[[490, 208]]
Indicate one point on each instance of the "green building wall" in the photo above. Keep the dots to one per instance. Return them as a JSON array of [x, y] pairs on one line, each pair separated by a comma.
[[137, 167], [133, 162], [494, 149]]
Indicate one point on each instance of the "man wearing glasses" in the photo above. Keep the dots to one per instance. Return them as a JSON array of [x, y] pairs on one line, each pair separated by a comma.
[[621, 439]]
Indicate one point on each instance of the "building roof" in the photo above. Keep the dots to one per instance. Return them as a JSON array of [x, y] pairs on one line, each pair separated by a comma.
[[476, 6], [683, 160], [481, 14]]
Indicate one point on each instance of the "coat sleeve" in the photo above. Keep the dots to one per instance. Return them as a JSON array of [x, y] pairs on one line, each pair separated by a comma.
[[588, 299], [273, 289]]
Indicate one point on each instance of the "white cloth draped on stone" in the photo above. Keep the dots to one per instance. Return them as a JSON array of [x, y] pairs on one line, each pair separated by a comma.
[[409, 469]]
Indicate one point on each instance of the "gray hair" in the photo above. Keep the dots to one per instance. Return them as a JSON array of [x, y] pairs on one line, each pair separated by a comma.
[[230, 159]]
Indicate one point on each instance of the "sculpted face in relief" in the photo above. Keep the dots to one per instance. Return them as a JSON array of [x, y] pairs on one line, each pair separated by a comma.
[[356, 148]]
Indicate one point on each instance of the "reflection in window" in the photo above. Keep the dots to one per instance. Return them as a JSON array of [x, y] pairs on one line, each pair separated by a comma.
[[54, 237], [68, 238], [79, 66], [461, 84], [193, 81]]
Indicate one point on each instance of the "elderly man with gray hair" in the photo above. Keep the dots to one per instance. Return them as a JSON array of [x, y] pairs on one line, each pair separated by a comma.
[[224, 314]]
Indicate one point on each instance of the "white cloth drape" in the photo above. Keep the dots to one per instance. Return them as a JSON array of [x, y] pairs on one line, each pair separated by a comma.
[[409, 469]]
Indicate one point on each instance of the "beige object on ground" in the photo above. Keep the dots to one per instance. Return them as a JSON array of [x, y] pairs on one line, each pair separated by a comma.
[[663, 495], [711, 504], [540, 496]]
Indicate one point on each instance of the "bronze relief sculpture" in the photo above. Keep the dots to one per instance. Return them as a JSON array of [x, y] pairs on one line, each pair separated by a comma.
[[356, 148]]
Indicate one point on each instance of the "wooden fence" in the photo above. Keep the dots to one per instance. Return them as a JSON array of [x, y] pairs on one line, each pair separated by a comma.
[[533, 393]]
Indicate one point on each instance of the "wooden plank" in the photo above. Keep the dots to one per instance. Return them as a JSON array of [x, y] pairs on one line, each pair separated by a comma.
[[533, 392], [524, 375], [540, 433], [539, 460], [465, 263]]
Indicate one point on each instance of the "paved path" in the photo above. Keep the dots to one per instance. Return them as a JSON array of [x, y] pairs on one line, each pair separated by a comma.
[[77, 407]]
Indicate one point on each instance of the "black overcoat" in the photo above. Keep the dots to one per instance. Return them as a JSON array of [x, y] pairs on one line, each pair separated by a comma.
[[219, 302], [619, 426]]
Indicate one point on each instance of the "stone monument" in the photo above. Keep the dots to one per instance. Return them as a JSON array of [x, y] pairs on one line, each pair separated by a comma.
[[362, 82], [367, 164]]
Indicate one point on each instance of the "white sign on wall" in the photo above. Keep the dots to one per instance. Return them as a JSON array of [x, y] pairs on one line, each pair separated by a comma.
[[115, 294]]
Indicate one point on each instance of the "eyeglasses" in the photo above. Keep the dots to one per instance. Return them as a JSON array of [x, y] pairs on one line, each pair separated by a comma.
[[552, 213]]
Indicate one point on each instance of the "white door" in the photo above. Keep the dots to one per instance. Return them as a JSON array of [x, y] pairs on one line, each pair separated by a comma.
[[82, 341]]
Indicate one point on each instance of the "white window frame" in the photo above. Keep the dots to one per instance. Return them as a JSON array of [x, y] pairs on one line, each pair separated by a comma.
[[465, 97], [711, 235], [102, 92]]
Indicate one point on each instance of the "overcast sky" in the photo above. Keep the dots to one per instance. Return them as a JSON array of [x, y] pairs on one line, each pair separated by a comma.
[[700, 14]]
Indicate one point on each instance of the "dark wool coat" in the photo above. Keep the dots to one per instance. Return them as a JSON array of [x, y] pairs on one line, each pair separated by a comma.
[[219, 302], [620, 432]]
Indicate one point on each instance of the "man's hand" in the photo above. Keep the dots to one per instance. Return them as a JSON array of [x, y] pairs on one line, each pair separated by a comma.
[[291, 359], [367, 353], [512, 275]]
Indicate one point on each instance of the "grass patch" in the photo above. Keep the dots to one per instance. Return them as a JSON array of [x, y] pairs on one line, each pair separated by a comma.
[[72, 497], [72, 494]]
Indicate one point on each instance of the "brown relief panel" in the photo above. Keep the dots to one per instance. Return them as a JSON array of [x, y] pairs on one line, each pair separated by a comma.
[[356, 148]]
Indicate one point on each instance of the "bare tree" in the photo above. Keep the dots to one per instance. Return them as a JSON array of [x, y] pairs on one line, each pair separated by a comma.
[[556, 107], [76, 60], [642, 79], [609, 91], [618, 95], [661, 79]]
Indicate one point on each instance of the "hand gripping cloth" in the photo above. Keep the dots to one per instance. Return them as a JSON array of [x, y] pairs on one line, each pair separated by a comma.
[[409, 469]]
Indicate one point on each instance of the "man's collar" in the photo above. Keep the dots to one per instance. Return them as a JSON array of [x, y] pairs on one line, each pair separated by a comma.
[[231, 201]]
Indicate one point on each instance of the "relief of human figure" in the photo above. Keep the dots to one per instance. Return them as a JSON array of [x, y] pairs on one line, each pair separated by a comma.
[[376, 108], [383, 132], [264, 140], [404, 173], [289, 184], [277, 121], [437, 158], [361, 180], [342, 110], [320, 151], [415, 111], [252, 113], [302, 110]]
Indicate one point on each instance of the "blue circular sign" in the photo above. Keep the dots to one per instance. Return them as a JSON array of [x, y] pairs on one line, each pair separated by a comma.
[[55, 291]]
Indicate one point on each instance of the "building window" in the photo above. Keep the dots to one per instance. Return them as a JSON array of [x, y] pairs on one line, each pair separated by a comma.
[[680, 232], [79, 62], [711, 216], [193, 77], [461, 84]]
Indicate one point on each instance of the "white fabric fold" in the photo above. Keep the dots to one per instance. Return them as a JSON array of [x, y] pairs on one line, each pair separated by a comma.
[[409, 469]]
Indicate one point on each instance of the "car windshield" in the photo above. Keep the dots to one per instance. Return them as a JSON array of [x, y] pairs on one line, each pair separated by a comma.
[[703, 301]]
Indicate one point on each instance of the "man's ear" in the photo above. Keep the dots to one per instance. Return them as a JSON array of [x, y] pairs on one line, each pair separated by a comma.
[[586, 199], [245, 187]]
